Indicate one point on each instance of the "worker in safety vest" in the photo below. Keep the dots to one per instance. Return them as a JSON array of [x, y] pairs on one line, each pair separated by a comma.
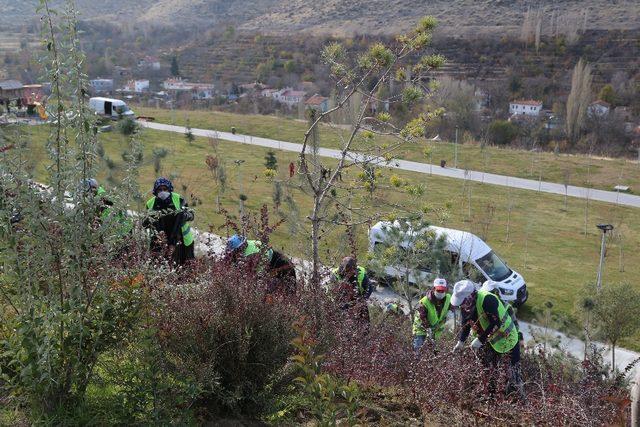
[[431, 314], [352, 286], [169, 215], [496, 334], [393, 308], [279, 267], [491, 286], [104, 207]]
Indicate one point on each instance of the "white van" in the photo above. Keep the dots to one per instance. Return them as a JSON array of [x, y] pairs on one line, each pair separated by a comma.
[[476, 260], [110, 107]]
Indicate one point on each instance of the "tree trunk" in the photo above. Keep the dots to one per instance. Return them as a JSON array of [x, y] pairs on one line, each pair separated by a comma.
[[315, 238], [613, 358]]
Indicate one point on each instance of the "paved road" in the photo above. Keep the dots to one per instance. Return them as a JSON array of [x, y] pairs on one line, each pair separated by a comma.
[[208, 243], [425, 168]]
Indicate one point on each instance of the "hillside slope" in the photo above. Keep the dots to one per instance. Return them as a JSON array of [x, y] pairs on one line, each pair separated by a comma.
[[343, 17]]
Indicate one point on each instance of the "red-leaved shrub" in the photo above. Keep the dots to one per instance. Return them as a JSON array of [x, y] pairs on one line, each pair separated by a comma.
[[456, 389], [217, 325]]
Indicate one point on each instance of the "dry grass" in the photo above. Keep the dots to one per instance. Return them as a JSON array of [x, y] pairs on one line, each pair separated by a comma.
[[341, 17]]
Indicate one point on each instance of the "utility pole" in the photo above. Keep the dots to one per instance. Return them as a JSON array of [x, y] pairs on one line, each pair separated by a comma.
[[604, 228], [455, 151]]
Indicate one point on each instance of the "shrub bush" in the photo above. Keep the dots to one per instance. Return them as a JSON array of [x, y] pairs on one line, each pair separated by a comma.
[[502, 132], [453, 388], [220, 328]]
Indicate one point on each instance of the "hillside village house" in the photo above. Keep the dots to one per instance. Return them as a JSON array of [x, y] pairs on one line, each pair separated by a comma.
[[149, 62], [289, 96], [10, 90], [197, 90], [136, 86], [253, 87], [525, 107], [598, 108], [317, 102], [268, 92], [101, 85]]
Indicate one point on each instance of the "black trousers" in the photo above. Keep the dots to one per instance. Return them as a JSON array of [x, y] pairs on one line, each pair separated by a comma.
[[490, 359]]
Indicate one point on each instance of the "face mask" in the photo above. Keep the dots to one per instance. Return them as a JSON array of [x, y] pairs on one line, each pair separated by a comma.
[[439, 295], [163, 195]]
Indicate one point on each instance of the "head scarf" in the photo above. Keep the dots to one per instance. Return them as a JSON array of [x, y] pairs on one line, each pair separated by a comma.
[[160, 182]]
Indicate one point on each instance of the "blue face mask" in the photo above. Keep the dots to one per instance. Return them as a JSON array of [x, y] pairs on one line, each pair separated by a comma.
[[164, 195]]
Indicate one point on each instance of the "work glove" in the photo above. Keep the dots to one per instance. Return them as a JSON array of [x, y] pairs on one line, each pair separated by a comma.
[[459, 345], [476, 344]]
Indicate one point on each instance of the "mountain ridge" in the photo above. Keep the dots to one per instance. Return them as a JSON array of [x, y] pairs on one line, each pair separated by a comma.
[[343, 17]]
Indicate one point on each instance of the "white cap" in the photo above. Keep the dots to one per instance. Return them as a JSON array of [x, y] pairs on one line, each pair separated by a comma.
[[439, 283], [461, 290], [489, 286]]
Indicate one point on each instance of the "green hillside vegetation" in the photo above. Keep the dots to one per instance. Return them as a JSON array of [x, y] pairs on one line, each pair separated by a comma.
[[546, 243], [585, 171]]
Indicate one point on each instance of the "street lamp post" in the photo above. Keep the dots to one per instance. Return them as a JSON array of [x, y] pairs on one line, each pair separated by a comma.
[[604, 228]]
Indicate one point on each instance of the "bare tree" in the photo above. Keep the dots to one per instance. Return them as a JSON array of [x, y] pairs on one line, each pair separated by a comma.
[[527, 31], [578, 100], [566, 176], [357, 82], [509, 209]]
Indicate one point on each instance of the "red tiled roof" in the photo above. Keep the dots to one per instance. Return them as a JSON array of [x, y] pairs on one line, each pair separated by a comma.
[[527, 102], [294, 93], [315, 100]]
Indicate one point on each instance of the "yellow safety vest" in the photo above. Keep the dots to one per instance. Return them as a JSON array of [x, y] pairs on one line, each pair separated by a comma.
[[506, 337], [187, 233], [436, 321]]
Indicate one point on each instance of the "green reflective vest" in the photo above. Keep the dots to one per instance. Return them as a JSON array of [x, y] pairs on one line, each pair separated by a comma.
[[506, 337], [107, 210], [125, 224], [254, 247], [187, 233], [360, 279], [436, 320]]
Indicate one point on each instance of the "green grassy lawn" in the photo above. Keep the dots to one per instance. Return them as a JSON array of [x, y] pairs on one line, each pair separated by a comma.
[[574, 169], [546, 244]]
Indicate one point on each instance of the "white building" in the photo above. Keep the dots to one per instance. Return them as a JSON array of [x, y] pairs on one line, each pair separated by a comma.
[[175, 84], [525, 107], [202, 91], [289, 96], [136, 86], [598, 108], [198, 90], [149, 62], [101, 85], [268, 93]]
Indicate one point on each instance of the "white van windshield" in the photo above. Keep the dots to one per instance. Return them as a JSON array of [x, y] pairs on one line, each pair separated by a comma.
[[494, 267]]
